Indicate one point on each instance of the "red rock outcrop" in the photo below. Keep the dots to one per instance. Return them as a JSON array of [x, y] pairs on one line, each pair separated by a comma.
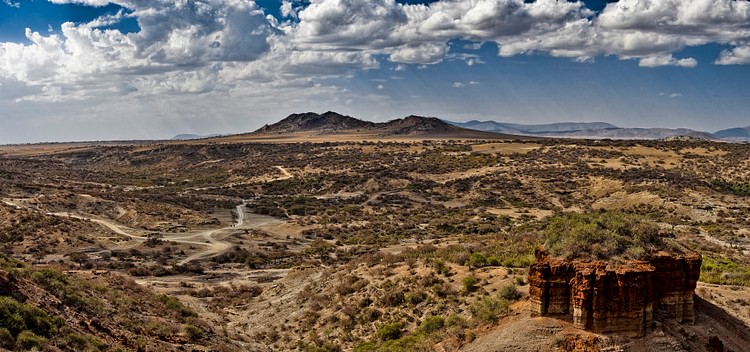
[[615, 298]]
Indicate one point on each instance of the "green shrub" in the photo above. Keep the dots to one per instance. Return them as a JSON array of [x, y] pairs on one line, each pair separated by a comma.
[[6, 339], [476, 260], [366, 346], [28, 340], [510, 292], [470, 283], [431, 324], [489, 309], [390, 331], [17, 317], [411, 343], [76, 341], [174, 304], [194, 332], [723, 271], [601, 236]]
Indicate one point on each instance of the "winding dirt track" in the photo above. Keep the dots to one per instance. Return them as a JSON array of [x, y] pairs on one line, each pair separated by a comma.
[[207, 238]]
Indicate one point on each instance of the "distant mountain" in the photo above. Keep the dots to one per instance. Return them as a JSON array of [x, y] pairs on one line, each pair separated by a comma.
[[632, 133], [187, 136], [740, 134], [335, 123], [583, 130], [327, 122], [503, 127]]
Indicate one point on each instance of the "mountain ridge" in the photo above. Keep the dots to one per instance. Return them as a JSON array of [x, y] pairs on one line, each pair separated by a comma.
[[334, 123], [585, 130], [737, 133]]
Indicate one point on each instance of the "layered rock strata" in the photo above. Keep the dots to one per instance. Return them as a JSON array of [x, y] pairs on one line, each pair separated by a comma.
[[615, 298]]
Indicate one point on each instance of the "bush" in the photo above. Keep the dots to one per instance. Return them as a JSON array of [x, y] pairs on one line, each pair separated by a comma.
[[174, 304], [470, 283], [476, 260], [6, 339], [194, 332], [510, 292], [390, 331], [432, 324], [489, 309], [16, 317], [601, 236], [27, 340]]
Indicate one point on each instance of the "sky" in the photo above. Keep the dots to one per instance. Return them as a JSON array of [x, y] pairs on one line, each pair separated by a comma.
[[151, 69]]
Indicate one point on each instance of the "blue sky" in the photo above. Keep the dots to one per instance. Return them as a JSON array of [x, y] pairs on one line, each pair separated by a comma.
[[142, 69]]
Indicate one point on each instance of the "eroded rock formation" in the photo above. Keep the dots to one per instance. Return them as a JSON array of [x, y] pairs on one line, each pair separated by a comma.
[[615, 298]]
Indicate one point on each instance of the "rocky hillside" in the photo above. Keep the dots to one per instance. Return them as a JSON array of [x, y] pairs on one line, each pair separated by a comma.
[[42, 308]]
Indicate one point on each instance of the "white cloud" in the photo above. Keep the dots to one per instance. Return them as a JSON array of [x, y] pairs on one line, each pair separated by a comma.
[[427, 53], [675, 95], [458, 85], [666, 60], [12, 3], [97, 3], [736, 56]]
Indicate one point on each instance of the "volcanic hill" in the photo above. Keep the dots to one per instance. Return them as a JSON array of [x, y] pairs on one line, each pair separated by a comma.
[[332, 123]]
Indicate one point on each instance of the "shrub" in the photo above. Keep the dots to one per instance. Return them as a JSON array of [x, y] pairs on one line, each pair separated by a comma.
[[174, 304], [470, 283], [489, 309], [432, 324], [366, 347], [601, 236], [510, 292], [6, 339], [17, 317], [476, 260], [193, 332], [390, 331], [27, 340]]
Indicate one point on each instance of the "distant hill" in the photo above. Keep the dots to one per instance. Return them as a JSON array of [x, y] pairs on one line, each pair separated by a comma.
[[739, 133], [503, 127], [632, 133], [185, 137], [327, 122], [584, 130], [335, 123]]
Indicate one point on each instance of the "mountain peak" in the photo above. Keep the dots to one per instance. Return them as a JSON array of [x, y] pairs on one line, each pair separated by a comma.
[[329, 121]]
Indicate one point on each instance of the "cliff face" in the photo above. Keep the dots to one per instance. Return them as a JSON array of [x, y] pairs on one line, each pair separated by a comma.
[[623, 298]]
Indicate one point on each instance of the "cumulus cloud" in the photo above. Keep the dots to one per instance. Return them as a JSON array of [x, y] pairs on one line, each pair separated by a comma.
[[200, 46], [737, 56], [666, 60]]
